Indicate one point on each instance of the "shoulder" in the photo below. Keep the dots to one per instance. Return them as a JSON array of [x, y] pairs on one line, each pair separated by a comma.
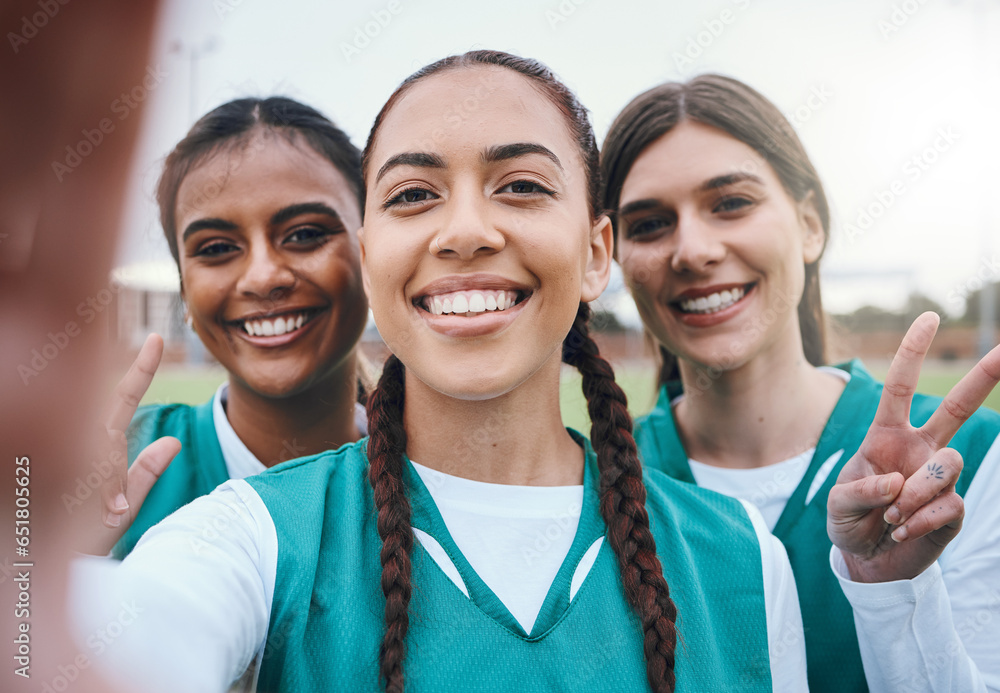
[[693, 511], [657, 439], [313, 479], [713, 546], [164, 417], [323, 464], [320, 506], [154, 421], [660, 414]]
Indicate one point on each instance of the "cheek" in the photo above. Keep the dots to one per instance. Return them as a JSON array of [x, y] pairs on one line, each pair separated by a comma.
[[340, 271], [384, 264], [781, 257], [204, 292], [643, 267]]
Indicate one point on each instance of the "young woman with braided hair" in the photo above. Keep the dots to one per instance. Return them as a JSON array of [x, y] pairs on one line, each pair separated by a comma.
[[721, 221], [472, 543]]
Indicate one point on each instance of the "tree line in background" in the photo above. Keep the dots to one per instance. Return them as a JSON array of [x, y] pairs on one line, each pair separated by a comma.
[[872, 318], [866, 318]]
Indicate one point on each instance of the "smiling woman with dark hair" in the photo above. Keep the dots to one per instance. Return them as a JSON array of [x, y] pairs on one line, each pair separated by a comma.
[[260, 205]]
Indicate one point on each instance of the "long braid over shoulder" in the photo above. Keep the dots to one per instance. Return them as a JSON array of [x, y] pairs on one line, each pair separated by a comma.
[[386, 447], [623, 502], [623, 495]]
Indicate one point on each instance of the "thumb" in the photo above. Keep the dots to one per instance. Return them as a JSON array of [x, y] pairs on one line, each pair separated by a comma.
[[149, 465], [851, 500], [113, 489]]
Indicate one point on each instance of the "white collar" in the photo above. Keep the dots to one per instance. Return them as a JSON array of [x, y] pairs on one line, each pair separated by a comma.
[[240, 462]]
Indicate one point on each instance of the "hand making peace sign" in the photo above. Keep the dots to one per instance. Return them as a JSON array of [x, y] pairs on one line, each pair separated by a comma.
[[125, 489], [894, 507]]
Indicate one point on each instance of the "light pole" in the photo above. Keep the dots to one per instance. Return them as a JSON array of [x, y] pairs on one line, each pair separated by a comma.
[[987, 306], [196, 352], [193, 52]]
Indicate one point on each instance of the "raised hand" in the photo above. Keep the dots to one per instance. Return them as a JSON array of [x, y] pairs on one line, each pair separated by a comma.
[[894, 507], [124, 491]]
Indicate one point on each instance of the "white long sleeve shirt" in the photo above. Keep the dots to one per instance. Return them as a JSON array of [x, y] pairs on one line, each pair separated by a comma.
[[201, 582]]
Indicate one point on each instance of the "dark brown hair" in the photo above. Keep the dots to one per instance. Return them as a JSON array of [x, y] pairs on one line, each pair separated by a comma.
[[743, 113], [622, 493], [230, 125]]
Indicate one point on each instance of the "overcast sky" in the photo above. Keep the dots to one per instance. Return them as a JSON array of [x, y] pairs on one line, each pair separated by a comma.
[[896, 102]]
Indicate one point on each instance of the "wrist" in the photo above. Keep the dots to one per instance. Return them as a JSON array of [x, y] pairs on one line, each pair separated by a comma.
[[859, 568], [877, 569]]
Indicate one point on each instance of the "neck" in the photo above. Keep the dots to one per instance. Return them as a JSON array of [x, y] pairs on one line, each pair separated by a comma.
[[316, 419], [767, 410], [517, 438]]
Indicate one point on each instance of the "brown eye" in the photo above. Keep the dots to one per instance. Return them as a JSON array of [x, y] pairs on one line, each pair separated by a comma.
[[649, 227], [410, 196], [215, 249], [732, 204], [307, 235], [524, 187]]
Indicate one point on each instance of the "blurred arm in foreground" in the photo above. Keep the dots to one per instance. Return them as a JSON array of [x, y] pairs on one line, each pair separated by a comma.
[[63, 66]]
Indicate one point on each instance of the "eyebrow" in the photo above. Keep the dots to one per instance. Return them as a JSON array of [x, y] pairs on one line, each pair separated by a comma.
[[500, 152], [292, 211], [503, 152], [419, 159], [638, 206], [711, 184], [730, 179], [213, 223], [279, 217]]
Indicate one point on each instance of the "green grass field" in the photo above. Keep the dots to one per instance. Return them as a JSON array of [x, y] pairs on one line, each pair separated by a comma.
[[196, 385]]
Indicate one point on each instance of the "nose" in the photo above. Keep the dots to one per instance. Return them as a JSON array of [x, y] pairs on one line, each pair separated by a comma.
[[697, 247], [267, 275], [467, 228]]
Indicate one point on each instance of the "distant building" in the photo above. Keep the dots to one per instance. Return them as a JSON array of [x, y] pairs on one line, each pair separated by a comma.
[[147, 299]]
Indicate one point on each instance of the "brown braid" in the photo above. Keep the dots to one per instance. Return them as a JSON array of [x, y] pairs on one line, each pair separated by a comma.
[[386, 446], [623, 503], [622, 494]]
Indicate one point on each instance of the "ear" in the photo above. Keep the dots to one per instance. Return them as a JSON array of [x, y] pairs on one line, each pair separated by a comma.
[[599, 253], [814, 240], [364, 265], [183, 295]]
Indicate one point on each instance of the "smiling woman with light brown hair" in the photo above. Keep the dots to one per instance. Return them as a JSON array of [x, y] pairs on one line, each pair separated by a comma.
[[721, 221]]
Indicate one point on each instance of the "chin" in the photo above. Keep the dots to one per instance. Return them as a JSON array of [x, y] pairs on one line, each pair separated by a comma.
[[474, 387], [472, 391], [277, 385], [714, 362]]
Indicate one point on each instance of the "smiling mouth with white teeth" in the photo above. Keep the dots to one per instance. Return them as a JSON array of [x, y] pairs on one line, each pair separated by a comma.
[[713, 303], [276, 325], [470, 303]]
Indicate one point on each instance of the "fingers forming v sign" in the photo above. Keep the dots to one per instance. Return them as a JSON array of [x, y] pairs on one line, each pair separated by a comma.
[[894, 507], [125, 489]]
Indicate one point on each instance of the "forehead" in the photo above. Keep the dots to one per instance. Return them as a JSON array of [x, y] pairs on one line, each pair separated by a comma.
[[265, 170], [469, 108], [688, 156]]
